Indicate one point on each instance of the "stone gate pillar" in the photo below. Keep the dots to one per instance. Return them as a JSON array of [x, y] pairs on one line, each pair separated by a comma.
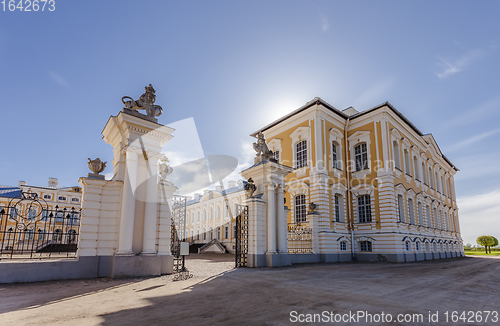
[[126, 220], [266, 213]]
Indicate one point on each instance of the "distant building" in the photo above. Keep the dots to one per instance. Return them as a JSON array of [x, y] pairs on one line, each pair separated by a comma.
[[213, 216], [25, 225]]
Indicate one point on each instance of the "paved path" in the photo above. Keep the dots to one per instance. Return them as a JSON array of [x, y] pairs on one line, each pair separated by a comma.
[[221, 295]]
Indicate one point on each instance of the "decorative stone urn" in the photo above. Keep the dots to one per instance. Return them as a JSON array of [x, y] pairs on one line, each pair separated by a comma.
[[96, 166]]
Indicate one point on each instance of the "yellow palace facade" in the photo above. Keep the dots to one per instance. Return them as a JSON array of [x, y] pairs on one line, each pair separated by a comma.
[[384, 190]]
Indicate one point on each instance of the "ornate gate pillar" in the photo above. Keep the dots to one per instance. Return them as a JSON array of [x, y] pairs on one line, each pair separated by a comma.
[[266, 210]]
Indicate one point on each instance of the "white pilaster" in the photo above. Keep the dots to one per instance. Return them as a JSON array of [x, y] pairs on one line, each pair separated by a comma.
[[281, 222], [128, 204], [151, 209], [271, 219]]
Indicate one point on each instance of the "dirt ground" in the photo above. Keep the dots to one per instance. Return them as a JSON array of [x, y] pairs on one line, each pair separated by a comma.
[[220, 295]]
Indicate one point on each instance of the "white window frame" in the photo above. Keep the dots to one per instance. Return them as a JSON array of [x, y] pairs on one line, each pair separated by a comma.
[[355, 139], [303, 209], [365, 207], [336, 137], [274, 145], [299, 134]]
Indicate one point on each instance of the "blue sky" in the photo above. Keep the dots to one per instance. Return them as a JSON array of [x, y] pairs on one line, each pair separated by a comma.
[[234, 66]]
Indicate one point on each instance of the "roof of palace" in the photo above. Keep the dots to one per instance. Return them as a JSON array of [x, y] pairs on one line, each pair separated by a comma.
[[349, 113], [227, 192], [10, 192]]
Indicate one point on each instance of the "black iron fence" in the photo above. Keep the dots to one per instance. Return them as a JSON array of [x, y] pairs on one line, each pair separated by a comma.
[[299, 239], [30, 229]]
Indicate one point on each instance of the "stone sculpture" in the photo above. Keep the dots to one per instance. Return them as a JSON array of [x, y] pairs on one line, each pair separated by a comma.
[[96, 166], [145, 102], [164, 168], [263, 152], [250, 187]]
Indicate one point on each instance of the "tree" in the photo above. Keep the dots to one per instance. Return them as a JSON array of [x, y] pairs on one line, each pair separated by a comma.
[[468, 246], [495, 243], [486, 241]]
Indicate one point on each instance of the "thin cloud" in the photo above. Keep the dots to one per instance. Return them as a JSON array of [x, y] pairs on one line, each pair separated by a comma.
[[324, 22], [450, 68], [376, 93], [480, 112], [472, 140], [479, 215], [58, 79]]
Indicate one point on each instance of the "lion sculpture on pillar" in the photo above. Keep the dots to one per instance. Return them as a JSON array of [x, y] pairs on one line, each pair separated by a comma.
[[145, 102]]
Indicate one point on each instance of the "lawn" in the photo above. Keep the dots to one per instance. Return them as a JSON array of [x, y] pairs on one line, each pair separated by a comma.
[[481, 252]]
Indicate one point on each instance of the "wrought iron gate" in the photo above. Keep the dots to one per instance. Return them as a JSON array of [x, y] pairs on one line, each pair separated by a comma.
[[299, 239], [177, 235], [30, 229], [241, 236]]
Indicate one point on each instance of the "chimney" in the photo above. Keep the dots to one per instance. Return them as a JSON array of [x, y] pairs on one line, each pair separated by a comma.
[[22, 183], [53, 182], [218, 188], [197, 196], [231, 184]]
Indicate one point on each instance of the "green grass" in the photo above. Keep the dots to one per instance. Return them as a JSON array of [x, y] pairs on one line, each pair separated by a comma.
[[481, 252]]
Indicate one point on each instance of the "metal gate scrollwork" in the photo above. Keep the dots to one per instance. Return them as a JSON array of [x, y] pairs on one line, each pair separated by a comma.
[[177, 235], [241, 236], [30, 229]]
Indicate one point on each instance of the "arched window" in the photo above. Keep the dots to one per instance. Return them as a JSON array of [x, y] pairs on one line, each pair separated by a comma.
[[365, 246], [226, 232], [417, 246], [407, 245], [411, 212], [435, 246], [198, 216], [301, 154], [407, 162], [336, 163], [415, 167], [339, 211], [420, 214], [431, 178], [427, 247], [428, 213], [300, 208], [211, 213], [192, 217], [361, 157], [436, 219], [343, 245], [204, 215], [204, 234], [211, 235], [218, 212], [397, 159], [401, 214], [424, 175], [364, 209]]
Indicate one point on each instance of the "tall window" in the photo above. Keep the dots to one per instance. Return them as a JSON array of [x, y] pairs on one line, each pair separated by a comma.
[[365, 246], [428, 212], [192, 217], [417, 246], [431, 179], [397, 160], [415, 167], [300, 208], [336, 164], [198, 216], [204, 234], [364, 209], [407, 245], [420, 214], [226, 232], [424, 175], [301, 154], [211, 213], [411, 211], [218, 212], [337, 209], [361, 157], [227, 210], [204, 215], [436, 219], [343, 245], [400, 208], [407, 162], [276, 155]]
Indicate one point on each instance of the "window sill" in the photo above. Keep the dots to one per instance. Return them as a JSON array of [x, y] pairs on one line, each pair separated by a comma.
[[361, 174]]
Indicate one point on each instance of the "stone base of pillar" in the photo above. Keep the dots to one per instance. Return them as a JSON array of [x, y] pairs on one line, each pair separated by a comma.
[[268, 260], [134, 266]]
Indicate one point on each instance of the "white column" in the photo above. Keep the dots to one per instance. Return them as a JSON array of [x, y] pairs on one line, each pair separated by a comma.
[[271, 219], [282, 222], [151, 209], [128, 204]]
